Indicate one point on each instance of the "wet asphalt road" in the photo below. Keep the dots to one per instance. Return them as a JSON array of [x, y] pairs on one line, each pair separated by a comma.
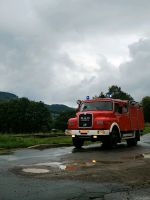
[[65, 168]]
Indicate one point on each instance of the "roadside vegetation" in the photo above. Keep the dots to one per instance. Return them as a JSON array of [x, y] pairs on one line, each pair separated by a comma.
[[147, 128], [12, 141]]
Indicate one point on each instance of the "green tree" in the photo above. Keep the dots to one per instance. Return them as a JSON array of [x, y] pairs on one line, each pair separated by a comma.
[[146, 108], [22, 115], [102, 95], [116, 93], [62, 119], [38, 117]]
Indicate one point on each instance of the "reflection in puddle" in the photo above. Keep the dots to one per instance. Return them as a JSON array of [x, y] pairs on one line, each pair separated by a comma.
[[56, 167], [53, 164], [35, 170], [77, 165], [146, 155], [65, 166]]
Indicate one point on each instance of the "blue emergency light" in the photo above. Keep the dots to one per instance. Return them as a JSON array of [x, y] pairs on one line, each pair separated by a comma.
[[109, 95], [87, 97]]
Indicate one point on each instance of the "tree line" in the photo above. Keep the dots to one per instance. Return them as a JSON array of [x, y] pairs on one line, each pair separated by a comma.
[[24, 116]]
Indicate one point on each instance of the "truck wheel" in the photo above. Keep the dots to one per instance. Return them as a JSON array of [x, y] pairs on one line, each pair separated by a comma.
[[112, 140], [138, 135], [132, 142], [77, 142]]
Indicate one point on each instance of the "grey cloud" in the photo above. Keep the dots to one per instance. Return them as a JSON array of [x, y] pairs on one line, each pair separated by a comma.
[[134, 75], [87, 16], [33, 38]]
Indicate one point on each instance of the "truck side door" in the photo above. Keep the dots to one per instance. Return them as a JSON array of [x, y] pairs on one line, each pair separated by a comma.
[[122, 115]]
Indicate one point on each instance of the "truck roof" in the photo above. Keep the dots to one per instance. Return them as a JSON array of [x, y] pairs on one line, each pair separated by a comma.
[[106, 99], [132, 103]]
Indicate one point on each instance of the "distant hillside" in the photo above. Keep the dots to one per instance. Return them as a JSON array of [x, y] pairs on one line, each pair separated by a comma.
[[57, 108], [7, 96], [54, 108]]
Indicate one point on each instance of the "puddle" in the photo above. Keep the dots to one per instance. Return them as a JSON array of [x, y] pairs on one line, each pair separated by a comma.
[[61, 166], [53, 164], [73, 166], [58, 167], [65, 166], [35, 170]]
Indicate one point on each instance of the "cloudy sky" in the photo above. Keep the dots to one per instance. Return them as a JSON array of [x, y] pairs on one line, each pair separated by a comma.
[[59, 51]]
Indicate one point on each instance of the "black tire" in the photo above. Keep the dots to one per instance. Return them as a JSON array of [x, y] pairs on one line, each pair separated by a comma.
[[132, 142], [77, 142], [112, 140], [138, 135], [114, 137]]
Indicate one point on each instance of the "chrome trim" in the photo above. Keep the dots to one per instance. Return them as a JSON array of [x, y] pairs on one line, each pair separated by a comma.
[[85, 114]]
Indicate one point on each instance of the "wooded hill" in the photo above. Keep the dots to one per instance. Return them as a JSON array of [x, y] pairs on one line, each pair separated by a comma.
[[54, 108], [7, 96]]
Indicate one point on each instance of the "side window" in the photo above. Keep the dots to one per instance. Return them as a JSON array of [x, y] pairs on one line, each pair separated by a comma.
[[125, 109], [118, 108]]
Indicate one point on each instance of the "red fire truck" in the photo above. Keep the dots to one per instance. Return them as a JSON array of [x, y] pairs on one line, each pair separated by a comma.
[[107, 120]]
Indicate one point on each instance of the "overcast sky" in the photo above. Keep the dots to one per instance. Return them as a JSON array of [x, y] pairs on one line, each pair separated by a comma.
[[58, 51]]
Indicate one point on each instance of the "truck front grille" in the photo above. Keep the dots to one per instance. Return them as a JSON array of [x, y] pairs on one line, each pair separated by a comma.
[[85, 120]]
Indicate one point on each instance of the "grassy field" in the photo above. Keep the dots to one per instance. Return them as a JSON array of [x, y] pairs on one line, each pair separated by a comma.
[[26, 140], [12, 141]]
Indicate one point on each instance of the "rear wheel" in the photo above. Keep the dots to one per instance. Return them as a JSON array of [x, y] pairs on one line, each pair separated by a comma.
[[132, 142], [77, 142]]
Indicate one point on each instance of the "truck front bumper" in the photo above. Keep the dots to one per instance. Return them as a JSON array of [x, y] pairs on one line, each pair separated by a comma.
[[87, 132]]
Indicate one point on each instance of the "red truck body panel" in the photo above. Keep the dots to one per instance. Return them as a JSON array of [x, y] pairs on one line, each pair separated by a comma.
[[129, 118]]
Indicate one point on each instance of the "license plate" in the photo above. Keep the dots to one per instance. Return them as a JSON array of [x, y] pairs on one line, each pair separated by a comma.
[[83, 131]]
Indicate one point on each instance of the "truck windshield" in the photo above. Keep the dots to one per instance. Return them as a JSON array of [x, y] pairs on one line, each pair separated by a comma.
[[97, 105]]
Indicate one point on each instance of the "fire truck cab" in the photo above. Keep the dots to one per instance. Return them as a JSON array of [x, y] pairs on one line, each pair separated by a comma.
[[107, 120]]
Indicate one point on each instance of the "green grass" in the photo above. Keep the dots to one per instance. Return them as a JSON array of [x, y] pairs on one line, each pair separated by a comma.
[[11, 141], [147, 128], [8, 141]]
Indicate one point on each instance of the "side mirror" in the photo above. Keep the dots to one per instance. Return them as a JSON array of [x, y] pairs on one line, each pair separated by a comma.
[[78, 102], [77, 110]]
